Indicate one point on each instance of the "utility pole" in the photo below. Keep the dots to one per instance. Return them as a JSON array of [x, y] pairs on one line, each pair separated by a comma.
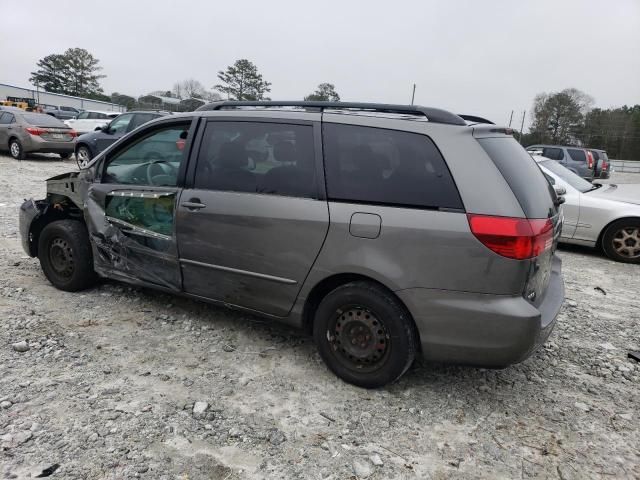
[[524, 113], [413, 95], [510, 118]]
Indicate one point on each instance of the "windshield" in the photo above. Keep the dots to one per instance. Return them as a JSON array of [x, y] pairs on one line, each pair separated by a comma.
[[568, 176]]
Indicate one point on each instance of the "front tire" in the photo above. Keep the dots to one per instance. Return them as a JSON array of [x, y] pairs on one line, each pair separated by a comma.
[[365, 335], [621, 240], [16, 150], [83, 156], [65, 255]]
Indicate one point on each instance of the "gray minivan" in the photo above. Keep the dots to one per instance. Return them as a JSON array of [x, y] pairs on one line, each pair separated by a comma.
[[577, 159], [387, 231]]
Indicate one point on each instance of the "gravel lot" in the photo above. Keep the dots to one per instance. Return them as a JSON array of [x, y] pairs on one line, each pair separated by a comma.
[[120, 382]]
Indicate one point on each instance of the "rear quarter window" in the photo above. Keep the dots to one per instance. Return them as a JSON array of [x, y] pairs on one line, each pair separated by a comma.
[[577, 155], [388, 167], [531, 188]]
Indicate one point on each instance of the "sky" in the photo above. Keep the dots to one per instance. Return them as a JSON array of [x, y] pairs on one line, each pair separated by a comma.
[[484, 57]]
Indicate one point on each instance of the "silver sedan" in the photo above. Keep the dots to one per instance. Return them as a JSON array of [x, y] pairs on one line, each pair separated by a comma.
[[600, 216]]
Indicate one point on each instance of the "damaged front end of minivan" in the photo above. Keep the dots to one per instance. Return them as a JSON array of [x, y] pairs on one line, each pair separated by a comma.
[[125, 244]]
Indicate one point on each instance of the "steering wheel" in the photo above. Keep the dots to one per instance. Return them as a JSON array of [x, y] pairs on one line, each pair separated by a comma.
[[160, 164]]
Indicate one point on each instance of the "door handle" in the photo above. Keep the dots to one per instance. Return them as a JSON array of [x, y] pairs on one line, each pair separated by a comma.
[[193, 204]]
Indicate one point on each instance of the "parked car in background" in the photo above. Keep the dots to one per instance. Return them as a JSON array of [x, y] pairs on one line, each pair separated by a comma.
[[60, 111], [90, 120], [601, 216], [385, 235], [577, 159], [90, 144], [26, 132], [603, 166]]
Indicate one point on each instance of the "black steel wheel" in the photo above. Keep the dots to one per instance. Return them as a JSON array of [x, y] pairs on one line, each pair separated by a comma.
[[364, 334], [65, 255]]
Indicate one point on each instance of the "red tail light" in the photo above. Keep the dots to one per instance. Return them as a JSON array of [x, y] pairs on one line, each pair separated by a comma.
[[589, 159], [518, 238], [605, 165], [73, 133], [35, 130]]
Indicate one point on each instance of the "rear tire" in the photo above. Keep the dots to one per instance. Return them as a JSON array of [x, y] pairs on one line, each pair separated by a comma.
[[621, 240], [365, 335], [64, 251], [16, 150]]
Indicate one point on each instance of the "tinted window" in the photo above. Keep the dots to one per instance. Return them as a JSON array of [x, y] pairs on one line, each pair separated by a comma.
[[140, 119], [382, 166], [577, 155], [553, 153], [256, 157], [525, 178], [83, 116], [42, 120], [596, 155], [68, 109], [6, 118], [94, 115], [151, 160]]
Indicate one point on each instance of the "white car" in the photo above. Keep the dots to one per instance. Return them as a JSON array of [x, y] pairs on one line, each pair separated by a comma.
[[602, 216], [90, 120]]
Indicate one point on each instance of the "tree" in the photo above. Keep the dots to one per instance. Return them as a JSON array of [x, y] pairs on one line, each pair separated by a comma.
[[75, 72], [83, 76], [325, 92], [52, 73], [126, 100], [241, 81], [557, 117], [189, 88]]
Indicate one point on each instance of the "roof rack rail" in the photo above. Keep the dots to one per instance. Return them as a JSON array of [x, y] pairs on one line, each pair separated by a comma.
[[473, 118], [435, 115]]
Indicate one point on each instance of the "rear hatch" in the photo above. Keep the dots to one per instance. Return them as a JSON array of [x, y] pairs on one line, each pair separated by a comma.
[[48, 128], [538, 201]]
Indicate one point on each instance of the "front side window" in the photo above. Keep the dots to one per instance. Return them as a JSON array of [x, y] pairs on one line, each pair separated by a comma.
[[83, 116], [258, 157], [120, 124], [151, 160], [375, 165]]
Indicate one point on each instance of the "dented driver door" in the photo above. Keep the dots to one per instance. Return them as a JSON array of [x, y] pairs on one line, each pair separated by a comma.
[[130, 208]]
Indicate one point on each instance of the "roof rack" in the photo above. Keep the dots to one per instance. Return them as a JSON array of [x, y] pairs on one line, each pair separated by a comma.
[[473, 118], [432, 114]]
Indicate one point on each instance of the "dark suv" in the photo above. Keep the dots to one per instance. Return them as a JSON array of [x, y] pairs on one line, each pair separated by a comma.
[[386, 230], [92, 143], [603, 166], [577, 159]]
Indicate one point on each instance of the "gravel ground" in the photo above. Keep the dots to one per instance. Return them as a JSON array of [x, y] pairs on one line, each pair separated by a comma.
[[120, 382]]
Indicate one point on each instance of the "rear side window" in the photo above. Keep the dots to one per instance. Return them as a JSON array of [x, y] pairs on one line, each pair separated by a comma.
[[258, 157], [523, 175], [140, 119], [553, 153], [577, 155], [380, 166]]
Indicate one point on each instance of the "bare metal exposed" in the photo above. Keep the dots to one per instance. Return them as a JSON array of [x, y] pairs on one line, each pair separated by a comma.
[[388, 231]]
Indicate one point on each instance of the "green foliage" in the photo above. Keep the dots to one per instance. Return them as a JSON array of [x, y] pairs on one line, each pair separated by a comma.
[[616, 130], [75, 72], [326, 92], [126, 100], [241, 81], [558, 115]]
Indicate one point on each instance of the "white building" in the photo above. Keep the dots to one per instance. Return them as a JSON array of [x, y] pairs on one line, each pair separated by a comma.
[[47, 98]]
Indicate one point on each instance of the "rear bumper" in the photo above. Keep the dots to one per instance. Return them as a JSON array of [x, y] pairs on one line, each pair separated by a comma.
[[480, 329], [36, 144]]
